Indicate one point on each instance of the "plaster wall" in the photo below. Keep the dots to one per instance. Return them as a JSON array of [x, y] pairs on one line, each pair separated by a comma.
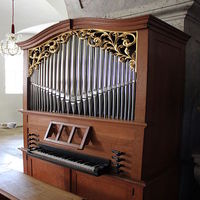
[[100, 8], [27, 14], [9, 103]]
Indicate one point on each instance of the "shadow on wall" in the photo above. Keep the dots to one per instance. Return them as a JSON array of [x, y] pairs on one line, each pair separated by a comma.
[[190, 188]]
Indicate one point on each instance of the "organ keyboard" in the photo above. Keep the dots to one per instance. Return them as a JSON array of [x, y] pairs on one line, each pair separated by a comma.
[[120, 85], [85, 163]]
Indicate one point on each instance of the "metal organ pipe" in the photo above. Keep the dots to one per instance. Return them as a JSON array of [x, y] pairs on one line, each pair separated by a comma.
[[100, 80], [109, 83], [114, 71], [126, 90], [105, 84], [129, 94], [44, 85], [47, 84], [133, 95], [54, 81], [95, 73], [78, 76], [84, 76], [67, 76], [62, 78], [85, 80], [89, 80], [73, 75], [58, 80], [50, 83], [118, 88], [39, 88]]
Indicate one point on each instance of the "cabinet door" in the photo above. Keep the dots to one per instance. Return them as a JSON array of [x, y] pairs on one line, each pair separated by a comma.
[[104, 187], [50, 173]]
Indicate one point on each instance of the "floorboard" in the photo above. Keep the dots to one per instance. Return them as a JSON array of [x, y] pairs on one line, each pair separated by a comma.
[[10, 156]]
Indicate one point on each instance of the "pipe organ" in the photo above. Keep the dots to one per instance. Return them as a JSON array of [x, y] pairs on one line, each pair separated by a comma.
[[102, 107]]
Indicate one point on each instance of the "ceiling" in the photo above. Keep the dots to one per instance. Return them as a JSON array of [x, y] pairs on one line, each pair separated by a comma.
[[29, 13], [102, 8], [31, 16]]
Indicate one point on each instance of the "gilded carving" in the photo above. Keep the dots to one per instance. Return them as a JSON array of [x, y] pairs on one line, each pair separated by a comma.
[[37, 54], [121, 44]]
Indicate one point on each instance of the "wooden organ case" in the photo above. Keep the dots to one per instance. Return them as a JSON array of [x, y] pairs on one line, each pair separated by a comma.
[[107, 96]]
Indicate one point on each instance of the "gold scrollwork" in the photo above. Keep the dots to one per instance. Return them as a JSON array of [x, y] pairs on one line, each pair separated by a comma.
[[37, 54], [121, 44]]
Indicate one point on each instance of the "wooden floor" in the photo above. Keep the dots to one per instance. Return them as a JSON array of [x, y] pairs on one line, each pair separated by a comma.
[[18, 186], [10, 156]]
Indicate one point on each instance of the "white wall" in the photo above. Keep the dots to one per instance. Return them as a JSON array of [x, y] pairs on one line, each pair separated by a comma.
[[27, 14], [9, 103]]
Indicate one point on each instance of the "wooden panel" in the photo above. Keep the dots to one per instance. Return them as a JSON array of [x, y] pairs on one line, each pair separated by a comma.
[[46, 34], [25, 129], [131, 24], [164, 187], [105, 137], [25, 162], [164, 104], [50, 173], [107, 188], [141, 86]]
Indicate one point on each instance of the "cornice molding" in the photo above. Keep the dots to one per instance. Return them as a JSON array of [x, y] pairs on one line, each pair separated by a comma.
[[124, 25], [173, 12], [157, 8]]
